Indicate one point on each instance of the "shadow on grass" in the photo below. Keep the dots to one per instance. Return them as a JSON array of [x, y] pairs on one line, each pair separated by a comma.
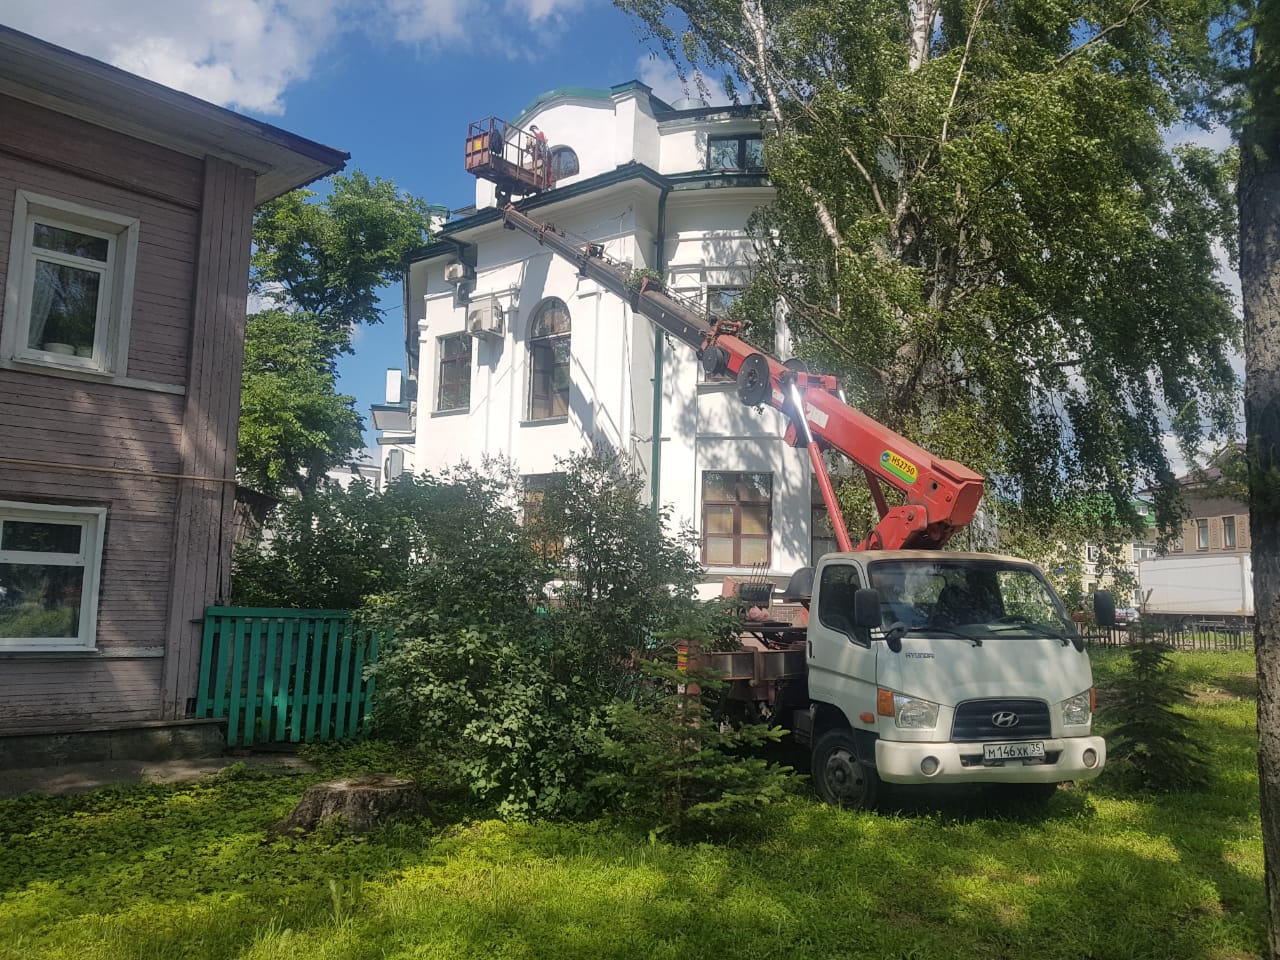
[[187, 873]]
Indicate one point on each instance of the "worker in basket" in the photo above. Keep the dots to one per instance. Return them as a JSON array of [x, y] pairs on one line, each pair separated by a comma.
[[538, 156]]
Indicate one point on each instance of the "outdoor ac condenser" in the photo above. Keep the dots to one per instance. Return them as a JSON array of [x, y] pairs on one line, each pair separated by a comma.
[[458, 272], [484, 318]]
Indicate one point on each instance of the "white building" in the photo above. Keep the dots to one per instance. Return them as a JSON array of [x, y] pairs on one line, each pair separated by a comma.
[[559, 364]]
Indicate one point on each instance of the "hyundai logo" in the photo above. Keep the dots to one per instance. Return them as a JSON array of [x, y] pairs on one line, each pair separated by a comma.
[[1005, 718]]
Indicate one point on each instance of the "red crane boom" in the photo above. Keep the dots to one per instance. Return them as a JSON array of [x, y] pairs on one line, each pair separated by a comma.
[[941, 495]]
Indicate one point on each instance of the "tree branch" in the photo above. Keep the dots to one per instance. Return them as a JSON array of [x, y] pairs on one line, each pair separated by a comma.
[[1137, 7], [964, 59], [753, 15]]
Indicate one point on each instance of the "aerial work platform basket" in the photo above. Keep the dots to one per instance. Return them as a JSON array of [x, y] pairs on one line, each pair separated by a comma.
[[516, 160]]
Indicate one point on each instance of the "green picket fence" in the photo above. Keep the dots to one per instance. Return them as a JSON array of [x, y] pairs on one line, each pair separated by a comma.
[[280, 676]]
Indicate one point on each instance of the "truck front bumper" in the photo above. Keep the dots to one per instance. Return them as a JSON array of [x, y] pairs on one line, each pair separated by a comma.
[[1065, 759]]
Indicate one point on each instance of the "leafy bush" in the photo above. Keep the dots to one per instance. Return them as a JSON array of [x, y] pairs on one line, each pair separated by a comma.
[[336, 547], [516, 634], [671, 762]]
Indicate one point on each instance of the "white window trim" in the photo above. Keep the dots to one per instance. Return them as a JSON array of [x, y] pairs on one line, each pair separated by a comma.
[[111, 353], [93, 521]]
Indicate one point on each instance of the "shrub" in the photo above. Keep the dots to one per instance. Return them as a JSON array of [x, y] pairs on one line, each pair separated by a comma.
[[671, 762], [513, 641], [337, 547], [1150, 740]]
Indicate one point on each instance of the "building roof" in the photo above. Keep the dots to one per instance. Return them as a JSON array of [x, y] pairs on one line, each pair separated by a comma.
[[73, 84], [589, 93], [446, 239]]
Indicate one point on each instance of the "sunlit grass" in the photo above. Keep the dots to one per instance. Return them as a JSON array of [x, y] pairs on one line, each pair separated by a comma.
[[160, 872]]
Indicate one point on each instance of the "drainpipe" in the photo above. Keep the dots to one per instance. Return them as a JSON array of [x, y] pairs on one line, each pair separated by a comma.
[[659, 339]]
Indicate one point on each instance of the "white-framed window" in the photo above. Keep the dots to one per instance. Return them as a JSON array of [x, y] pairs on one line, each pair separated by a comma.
[[70, 288], [1229, 533], [50, 563], [1202, 534]]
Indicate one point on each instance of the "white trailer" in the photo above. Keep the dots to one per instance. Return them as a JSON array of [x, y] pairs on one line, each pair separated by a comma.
[[1198, 589]]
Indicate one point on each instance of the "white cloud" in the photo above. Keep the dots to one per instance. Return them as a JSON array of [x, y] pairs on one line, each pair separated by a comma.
[[238, 53], [245, 54], [659, 74], [1217, 138], [510, 28]]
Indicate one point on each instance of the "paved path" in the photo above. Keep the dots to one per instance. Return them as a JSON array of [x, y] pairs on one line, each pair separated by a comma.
[[81, 777]]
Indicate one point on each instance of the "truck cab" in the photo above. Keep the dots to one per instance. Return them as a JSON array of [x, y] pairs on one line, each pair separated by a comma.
[[928, 666]]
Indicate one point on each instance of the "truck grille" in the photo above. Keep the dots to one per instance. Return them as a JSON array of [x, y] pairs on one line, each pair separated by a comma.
[[975, 720]]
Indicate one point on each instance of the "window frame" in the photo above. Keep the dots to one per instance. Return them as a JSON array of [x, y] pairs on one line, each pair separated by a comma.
[[454, 362], [93, 523], [737, 536], [543, 345], [1229, 542], [553, 158], [1202, 533], [115, 300], [742, 140], [827, 617]]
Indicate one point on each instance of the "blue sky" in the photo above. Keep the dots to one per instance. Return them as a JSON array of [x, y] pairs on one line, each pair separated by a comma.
[[393, 82]]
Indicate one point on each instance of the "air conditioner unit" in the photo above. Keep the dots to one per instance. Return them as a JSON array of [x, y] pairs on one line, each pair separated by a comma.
[[484, 318], [393, 466], [458, 272]]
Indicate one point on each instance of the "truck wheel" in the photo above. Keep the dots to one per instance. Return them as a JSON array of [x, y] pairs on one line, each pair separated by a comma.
[[839, 777]]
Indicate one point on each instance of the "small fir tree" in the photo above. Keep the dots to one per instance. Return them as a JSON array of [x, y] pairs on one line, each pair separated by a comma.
[[1155, 742], [672, 763]]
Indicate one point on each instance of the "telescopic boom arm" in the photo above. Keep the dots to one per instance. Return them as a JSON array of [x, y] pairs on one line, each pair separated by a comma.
[[941, 495]]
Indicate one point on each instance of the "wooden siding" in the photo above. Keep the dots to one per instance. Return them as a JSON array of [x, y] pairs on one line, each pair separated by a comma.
[[48, 694], [202, 544], [55, 156], [133, 602], [112, 159], [168, 541]]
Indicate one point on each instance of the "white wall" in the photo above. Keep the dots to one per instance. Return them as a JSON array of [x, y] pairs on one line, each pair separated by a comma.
[[704, 427]]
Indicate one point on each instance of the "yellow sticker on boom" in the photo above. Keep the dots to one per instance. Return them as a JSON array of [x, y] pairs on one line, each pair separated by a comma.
[[900, 467]]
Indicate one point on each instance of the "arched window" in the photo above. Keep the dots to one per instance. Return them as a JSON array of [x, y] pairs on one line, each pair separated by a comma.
[[564, 162], [549, 361]]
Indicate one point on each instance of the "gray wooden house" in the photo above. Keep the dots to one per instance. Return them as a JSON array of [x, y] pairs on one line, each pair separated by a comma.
[[125, 221]]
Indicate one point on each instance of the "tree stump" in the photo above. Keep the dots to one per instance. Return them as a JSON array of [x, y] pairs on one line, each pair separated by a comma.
[[357, 805]]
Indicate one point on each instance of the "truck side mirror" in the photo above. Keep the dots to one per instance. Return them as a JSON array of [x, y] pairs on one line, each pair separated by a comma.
[[866, 609], [1104, 608]]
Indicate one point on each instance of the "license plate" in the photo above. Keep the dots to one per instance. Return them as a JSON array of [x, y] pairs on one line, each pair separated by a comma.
[[1026, 750]]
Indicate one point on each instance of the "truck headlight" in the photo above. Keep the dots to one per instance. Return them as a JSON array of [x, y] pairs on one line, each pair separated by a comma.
[[1078, 709], [912, 713]]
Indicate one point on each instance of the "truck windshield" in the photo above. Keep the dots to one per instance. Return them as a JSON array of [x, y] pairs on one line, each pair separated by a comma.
[[987, 598]]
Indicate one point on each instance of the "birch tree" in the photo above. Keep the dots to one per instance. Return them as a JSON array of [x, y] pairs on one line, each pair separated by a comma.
[[979, 224]]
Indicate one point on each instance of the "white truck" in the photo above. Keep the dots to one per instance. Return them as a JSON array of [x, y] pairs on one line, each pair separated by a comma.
[[1198, 590], [921, 666]]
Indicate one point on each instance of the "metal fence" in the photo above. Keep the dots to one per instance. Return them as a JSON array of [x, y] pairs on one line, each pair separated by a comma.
[[282, 676], [1184, 637]]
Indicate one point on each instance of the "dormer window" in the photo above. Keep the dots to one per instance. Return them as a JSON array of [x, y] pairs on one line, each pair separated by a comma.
[[741, 152], [564, 163]]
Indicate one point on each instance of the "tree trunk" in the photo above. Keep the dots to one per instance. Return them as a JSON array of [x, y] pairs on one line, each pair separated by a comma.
[[357, 806], [1259, 208]]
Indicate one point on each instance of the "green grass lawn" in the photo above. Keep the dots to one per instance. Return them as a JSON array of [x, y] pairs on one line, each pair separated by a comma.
[[188, 871]]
